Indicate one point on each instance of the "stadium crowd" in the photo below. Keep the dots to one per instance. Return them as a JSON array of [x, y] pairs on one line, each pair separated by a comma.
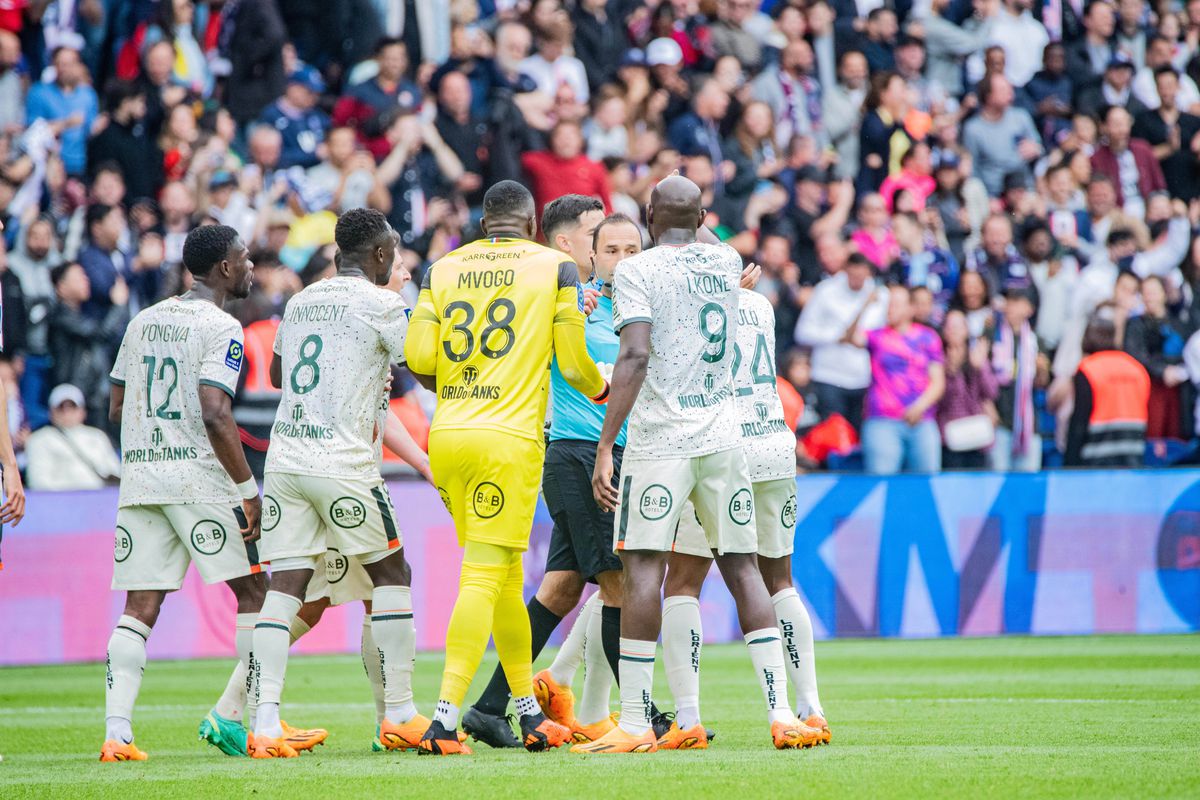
[[954, 203]]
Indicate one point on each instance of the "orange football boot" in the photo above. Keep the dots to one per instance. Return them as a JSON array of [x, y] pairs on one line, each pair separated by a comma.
[[266, 747], [618, 741], [114, 751], [438, 741], [539, 733], [590, 733], [794, 734], [818, 722], [557, 701], [301, 740], [694, 738]]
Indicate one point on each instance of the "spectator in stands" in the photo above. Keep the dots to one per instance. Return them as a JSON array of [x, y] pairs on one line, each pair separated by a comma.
[[1174, 135], [921, 263], [1049, 94], [1111, 393], [974, 300], [551, 66], [565, 169], [841, 107], [347, 174], [1129, 163], [1156, 339], [997, 259], [698, 130], [1001, 138], [1022, 39], [69, 455], [1018, 445], [739, 31], [792, 93], [464, 132], [35, 254], [252, 37], [1055, 275], [847, 302], [874, 237], [70, 103], [1089, 56], [364, 105], [1115, 90], [882, 139], [900, 432], [301, 124], [82, 346], [970, 392], [126, 142], [600, 40]]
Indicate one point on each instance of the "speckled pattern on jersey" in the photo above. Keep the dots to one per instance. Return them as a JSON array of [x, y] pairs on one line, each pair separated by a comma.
[[336, 342], [689, 294], [769, 445], [168, 351]]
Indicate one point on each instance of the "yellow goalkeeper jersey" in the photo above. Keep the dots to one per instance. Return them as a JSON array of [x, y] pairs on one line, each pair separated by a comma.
[[490, 316]]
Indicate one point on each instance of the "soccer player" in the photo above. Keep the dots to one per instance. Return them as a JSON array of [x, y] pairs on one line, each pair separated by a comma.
[[187, 494], [576, 554], [770, 449], [323, 488], [489, 318], [675, 307]]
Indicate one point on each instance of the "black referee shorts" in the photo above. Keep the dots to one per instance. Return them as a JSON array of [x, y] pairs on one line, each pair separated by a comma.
[[582, 539]]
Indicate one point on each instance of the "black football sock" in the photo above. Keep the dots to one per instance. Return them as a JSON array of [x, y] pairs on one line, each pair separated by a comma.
[[542, 622], [610, 636]]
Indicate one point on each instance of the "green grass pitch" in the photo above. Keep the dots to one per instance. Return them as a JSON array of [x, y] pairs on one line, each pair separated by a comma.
[[1004, 718]]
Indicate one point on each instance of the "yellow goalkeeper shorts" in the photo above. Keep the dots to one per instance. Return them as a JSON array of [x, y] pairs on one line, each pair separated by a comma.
[[489, 482]]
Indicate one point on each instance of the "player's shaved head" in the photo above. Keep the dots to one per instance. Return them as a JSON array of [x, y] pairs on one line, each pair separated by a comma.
[[508, 209], [675, 207]]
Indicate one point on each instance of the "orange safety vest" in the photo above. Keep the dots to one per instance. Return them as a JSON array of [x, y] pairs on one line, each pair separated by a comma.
[[1120, 408], [260, 346]]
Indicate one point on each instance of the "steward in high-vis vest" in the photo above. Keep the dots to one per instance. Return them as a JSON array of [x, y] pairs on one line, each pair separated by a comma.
[[1112, 395], [257, 399]]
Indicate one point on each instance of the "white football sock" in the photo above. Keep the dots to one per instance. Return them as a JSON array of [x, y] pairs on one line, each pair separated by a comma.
[[682, 636], [123, 678], [395, 639], [233, 701], [527, 706], [597, 675], [272, 636], [766, 654], [374, 667], [447, 714], [637, 684], [570, 655], [795, 626]]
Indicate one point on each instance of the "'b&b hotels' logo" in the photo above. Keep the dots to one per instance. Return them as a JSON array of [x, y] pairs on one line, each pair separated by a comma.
[[336, 565], [297, 412], [788, 516], [741, 507], [156, 436], [470, 375], [123, 545], [347, 512], [655, 503], [270, 512], [487, 499], [208, 537]]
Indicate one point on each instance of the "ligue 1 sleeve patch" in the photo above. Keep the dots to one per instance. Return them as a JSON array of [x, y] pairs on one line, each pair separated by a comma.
[[233, 356]]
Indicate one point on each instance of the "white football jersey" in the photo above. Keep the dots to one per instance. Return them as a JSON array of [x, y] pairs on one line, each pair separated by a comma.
[[335, 343], [689, 294], [769, 445], [169, 350]]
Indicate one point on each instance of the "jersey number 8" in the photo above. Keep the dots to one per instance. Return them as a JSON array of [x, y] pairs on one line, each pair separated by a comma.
[[500, 315]]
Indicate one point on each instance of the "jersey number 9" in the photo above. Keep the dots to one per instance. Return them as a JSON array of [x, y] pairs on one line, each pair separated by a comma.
[[713, 325], [500, 315]]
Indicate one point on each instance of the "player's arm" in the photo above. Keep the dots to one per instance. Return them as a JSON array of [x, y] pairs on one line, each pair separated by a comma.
[[628, 375], [570, 342], [216, 409], [397, 439], [14, 491], [276, 371], [219, 373], [423, 340]]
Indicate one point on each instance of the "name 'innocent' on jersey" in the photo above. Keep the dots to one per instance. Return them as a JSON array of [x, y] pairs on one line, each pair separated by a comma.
[[490, 316], [169, 350], [769, 445], [689, 294], [336, 342]]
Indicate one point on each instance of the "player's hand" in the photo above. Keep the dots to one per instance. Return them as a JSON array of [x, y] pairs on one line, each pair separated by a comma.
[[13, 509], [253, 510], [913, 414], [750, 276], [590, 301], [602, 480]]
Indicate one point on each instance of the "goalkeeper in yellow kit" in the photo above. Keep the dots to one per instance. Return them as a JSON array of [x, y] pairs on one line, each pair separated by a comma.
[[490, 316]]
